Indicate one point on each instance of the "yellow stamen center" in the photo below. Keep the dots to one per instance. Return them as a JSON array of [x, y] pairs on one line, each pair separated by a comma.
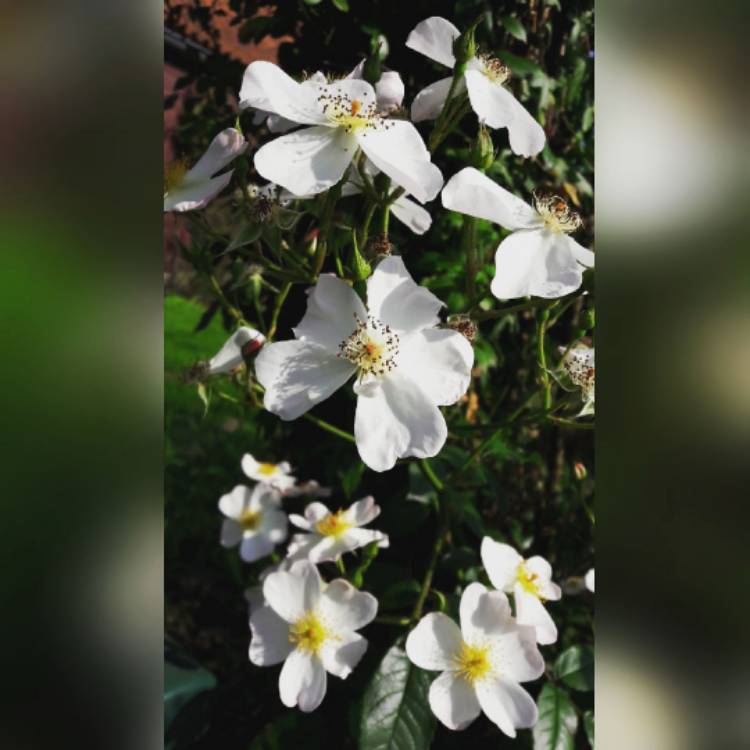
[[373, 347], [350, 114], [334, 524], [528, 580], [174, 173], [556, 214], [250, 519], [473, 662], [266, 469], [308, 633]]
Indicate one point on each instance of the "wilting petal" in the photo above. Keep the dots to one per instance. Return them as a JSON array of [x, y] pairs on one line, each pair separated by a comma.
[[191, 196], [224, 148], [270, 638], [440, 360], [333, 308], [428, 103], [396, 299], [398, 150], [535, 262], [473, 193], [345, 608], [231, 354], [531, 611], [453, 701], [435, 643], [341, 655], [292, 593], [501, 562], [506, 704], [266, 86], [498, 108], [307, 161], [412, 214], [434, 38], [297, 375], [395, 420], [302, 681]]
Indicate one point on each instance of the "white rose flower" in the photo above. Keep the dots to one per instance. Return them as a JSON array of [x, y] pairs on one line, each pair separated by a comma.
[[344, 119], [405, 366], [580, 366], [530, 581], [331, 534], [311, 627], [188, 189], [274, 475], [539, 258], [254, 520], [482, 663], [493, 104], [589, 578], [243, 342]]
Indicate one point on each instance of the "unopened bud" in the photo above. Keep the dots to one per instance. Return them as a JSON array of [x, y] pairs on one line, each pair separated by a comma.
[[372, 69], [378, 245], [464, 325], [579, 470], [464, 46], [482, 153], [589, 319], [360, 267]]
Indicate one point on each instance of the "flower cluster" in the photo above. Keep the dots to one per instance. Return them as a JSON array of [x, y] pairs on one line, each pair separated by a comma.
[[368, 322]]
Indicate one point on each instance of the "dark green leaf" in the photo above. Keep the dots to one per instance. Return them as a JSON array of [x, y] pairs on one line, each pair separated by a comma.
[[183, 680], [575, 667], [246, 234], [395, 711], [588, 725], [557, 720], [342, 5], [514, 27]]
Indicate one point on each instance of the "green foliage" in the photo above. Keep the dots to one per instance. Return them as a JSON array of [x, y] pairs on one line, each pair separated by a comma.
[[395, 711], [558, 720], [575, 667]]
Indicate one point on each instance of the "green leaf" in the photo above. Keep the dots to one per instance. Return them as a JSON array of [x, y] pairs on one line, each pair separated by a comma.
[[575, 667], [557, 720], [184, 678], [395, 711], [313, 2], [246, 234], [514, 27], [342, 5], [588, 725]]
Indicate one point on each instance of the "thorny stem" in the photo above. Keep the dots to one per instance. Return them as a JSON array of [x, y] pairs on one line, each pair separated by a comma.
[[225, 303], [365, 228], [328, 207], [439, 540], [443, 117], [280, 299]]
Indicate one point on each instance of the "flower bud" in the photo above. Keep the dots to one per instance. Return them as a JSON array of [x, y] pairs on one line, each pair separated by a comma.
[[372, 69], [464, 46], [482, 153], [360, 267], [579, 470]]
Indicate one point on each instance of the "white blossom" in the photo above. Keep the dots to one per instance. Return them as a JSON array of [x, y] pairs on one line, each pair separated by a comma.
[[493, 104], [538, 258], [242, 343], [589, 578], [274, 475], [406, 366], [254, 520], [344, 118], [329, 535], [311, 627], [188, 189], [482, 663], [530, 582]]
